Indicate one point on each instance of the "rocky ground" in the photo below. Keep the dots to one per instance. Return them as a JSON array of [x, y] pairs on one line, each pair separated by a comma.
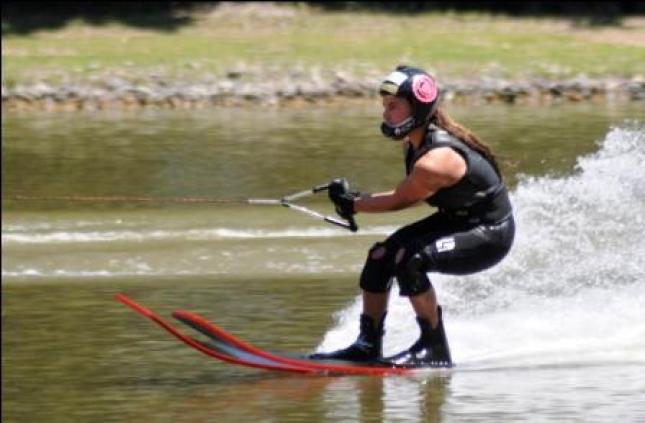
[[250, 88]]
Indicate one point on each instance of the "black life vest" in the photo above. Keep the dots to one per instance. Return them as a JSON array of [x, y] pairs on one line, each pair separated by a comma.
[[480, 196]]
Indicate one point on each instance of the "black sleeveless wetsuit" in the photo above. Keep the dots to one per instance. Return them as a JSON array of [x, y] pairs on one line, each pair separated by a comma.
[[472, 230]]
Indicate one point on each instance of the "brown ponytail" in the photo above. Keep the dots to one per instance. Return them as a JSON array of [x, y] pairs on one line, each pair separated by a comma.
[[443, 120]]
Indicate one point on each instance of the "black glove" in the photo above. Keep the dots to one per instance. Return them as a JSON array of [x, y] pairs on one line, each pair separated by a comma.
[[342, 197]]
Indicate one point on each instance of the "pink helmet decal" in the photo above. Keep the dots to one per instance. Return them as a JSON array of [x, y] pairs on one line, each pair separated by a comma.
[[424, 88]]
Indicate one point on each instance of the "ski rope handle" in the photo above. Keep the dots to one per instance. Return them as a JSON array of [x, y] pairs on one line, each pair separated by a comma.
[[287, 202]]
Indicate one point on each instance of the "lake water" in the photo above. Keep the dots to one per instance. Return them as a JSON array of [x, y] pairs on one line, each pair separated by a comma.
[[556, 332]]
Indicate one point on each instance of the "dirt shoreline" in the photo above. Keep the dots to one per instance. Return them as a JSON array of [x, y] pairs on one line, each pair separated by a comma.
[[240, 90]]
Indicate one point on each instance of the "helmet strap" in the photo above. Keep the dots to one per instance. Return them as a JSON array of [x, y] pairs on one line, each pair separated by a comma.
[[400, 131]]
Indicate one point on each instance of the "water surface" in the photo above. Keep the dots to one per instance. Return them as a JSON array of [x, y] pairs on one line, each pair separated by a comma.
[[553, 333]]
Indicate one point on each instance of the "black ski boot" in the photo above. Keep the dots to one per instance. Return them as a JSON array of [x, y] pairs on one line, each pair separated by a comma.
[[367, 347], [431, 349]]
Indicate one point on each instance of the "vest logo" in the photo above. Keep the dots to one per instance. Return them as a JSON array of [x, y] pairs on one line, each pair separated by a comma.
[[445, 244]]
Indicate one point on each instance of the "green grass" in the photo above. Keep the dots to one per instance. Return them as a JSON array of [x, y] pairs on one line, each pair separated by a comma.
[[466, 45]]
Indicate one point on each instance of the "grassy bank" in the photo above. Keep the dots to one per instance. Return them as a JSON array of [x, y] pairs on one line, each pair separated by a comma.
[[277, 39]]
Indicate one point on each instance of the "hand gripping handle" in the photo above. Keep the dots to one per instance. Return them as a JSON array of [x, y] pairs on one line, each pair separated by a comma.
[[352, 226]]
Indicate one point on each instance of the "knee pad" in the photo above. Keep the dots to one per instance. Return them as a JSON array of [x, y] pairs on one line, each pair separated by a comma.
[[410, 272], [377, 272]]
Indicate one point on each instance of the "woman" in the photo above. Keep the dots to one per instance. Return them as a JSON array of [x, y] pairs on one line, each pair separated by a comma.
[[451, 169]]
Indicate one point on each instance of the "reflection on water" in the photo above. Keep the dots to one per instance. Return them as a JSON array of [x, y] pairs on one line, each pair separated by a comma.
[[287, 399], [527, 334]]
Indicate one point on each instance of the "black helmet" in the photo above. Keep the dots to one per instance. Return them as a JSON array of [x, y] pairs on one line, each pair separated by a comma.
[[420, 89]]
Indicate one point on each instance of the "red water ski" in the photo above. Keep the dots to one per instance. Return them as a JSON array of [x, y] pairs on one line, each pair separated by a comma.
[[219, 335], [222, 351], [226, 347]]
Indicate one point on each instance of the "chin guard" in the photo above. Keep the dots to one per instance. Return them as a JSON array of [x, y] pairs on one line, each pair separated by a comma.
[[400, 131]]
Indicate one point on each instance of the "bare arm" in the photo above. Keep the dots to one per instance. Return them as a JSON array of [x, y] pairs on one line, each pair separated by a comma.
[[439, 168]]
